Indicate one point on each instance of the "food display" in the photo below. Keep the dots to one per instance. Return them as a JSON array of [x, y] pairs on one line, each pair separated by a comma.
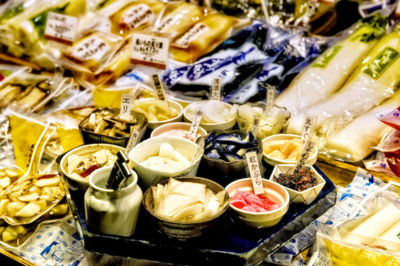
[[186, 202], [245, 114]]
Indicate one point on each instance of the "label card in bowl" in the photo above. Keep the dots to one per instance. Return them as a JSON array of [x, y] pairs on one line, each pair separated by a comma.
[[309, 144], [60, 28], [269, 101], [133, 140], [216, 89], [160, 92], [126, 105], [195, 125], [255, 173]]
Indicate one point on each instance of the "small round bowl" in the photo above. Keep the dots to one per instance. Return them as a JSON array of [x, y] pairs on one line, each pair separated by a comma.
[[151, 146], [211, 126], [81, 184], [171, 104], [274, 161], [183, 231], [261, 219], [163, 130]]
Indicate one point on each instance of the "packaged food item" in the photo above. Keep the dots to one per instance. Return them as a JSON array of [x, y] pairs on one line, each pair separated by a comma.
[[8, 176], [135, 15], [186, 202], [329, 71], [253, 203], [202, 37], [155, 110], [177, 18], [267, 125], [8, 72], [30, 198], [229, 146], [167, 159], [373, 81]]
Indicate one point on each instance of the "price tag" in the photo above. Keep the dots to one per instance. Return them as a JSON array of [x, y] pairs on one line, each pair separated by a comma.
[[309, 144], [158, 87], [216, 90], [60, 28], [195, 125], [126, 104], [133, 140], [269, 101], [255, 173], [150, 50]]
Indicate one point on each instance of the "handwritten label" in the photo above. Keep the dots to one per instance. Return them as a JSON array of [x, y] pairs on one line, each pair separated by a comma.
[[92, 47], [61, 28], [126, 104], [255, 173], [381, 62], [309, 144], [190, 35], [133, 140], [167, 22], [137, 16], [216, 90], [256, 123], [195, 125], [158, 87], [269, 101], [150, 50]]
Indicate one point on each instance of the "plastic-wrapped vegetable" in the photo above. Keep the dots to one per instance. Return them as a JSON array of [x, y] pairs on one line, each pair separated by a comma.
[[330, 70], [371, 83]]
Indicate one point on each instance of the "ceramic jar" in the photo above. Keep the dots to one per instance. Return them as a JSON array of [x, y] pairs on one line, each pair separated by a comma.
[[112, 212]]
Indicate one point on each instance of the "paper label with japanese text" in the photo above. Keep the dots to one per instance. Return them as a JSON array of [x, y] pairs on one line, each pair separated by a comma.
[[166, 22], [269, 101], [137, 16], [133, 140], [216, 89], [160, 92], [190, 35], [150, 50], [126, 105], [309, 144], [255, 172], [92, 48], [195, 125], [61, 28]]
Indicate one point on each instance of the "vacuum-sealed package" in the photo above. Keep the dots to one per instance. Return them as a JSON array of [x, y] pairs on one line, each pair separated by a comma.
[[373, 81], [328, 72]]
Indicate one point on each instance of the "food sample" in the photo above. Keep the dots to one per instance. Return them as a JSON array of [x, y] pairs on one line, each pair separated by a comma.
[[155, 110], [167, 159], [268, 125], [178, 18], [286, 149], [329, 71], [135, 15], [299, 181], [108, 122], [213, 112], [7, 177], [83, 166], [31, 197], [247, 201], [186, 202], [202, 37], [229, 146]]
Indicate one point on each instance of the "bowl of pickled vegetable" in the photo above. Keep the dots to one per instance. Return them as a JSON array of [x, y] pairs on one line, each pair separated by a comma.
[[77, 164], [159, 112], [185, 207]]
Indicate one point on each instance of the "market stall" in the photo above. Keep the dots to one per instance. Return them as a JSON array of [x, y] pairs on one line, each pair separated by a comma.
[[149, 131]]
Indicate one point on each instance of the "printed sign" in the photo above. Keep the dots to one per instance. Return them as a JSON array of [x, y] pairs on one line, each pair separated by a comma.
[[255, 173], [60, 28], [150, 50]]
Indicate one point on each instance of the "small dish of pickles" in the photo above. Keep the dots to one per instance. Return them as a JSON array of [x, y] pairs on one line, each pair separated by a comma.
[[159, 112], [30, 198]]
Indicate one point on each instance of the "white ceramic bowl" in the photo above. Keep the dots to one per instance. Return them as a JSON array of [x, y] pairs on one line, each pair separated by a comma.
[[306, 196], [261, 219], [80, 183], [151, 147], [274, 161], [171, 104], [211, 126], [161, 130]]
